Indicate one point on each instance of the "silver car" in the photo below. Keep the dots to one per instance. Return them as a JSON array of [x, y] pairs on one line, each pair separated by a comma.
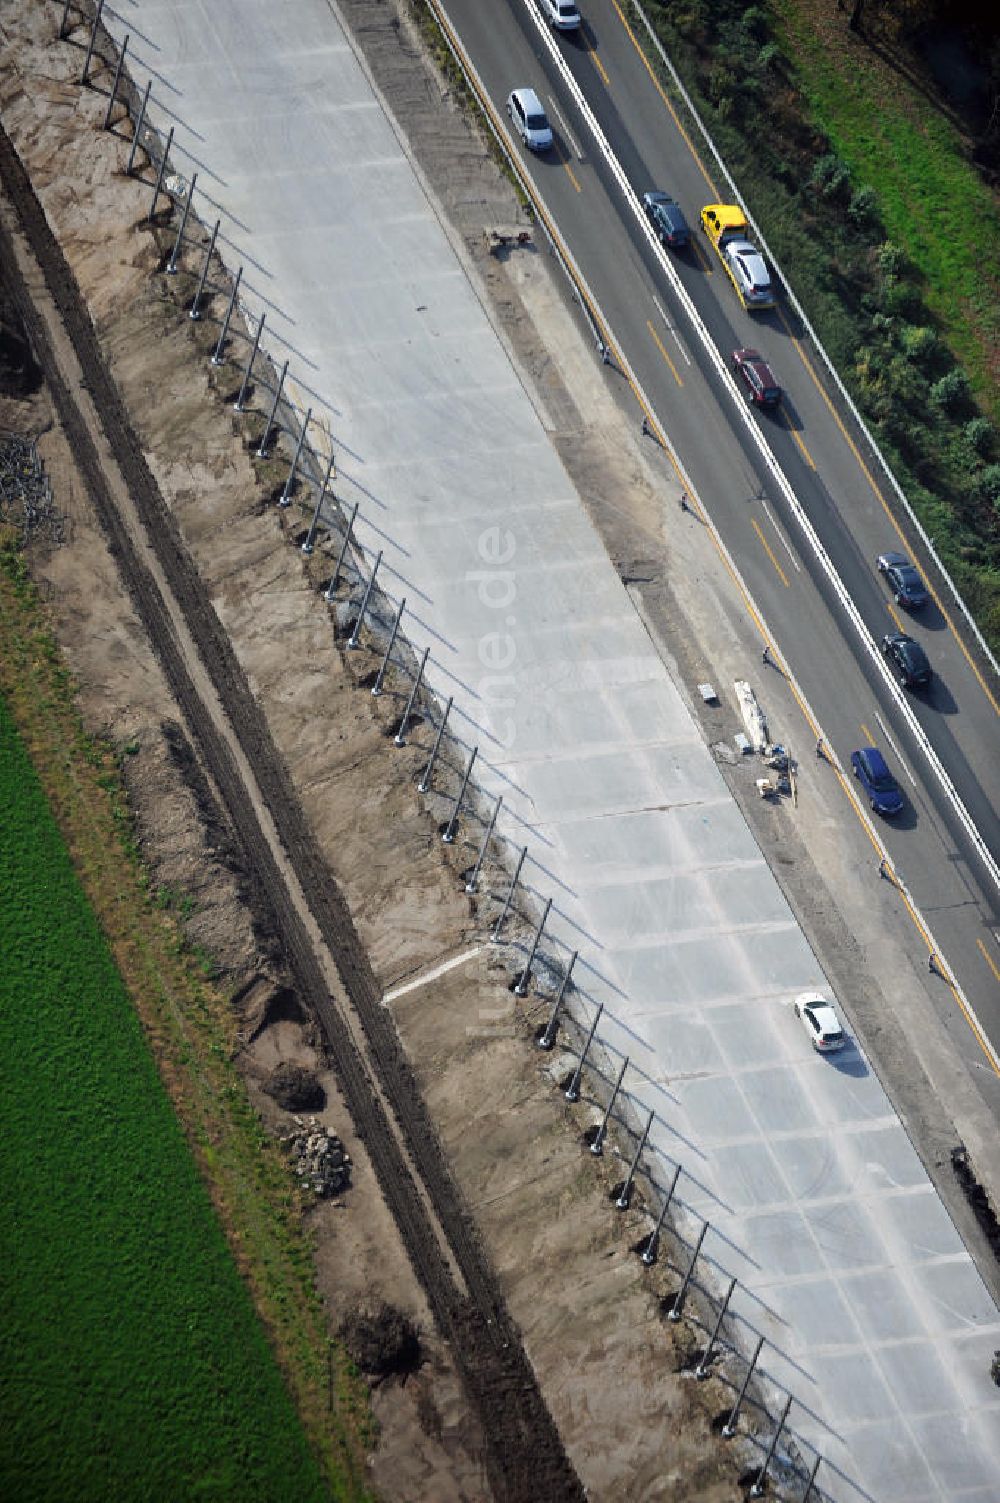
[[529, 119], [562, 14]]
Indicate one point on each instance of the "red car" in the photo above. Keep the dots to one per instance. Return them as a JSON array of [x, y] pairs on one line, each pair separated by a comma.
[[758, 377]]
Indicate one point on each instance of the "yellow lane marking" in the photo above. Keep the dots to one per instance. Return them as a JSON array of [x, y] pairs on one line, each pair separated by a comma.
[[660, 90], [659, 345], [989, 959], [770, 553], [885, 506], [798, 439], [572, 177], [600, 66], [869, 738], [895, 616]]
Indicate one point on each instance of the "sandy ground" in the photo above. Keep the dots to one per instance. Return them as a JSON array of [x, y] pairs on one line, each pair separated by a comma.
[[611, 1368]]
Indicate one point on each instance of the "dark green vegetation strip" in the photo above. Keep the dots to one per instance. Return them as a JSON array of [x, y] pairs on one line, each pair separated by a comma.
[[833, 211], [134, 1364]]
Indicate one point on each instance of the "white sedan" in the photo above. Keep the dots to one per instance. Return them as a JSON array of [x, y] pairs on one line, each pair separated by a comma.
[[820, 1022]]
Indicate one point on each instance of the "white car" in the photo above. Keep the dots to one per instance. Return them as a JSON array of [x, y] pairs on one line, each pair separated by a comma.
[[529, 119], [820, 1022], [749, 272], [563, 14]]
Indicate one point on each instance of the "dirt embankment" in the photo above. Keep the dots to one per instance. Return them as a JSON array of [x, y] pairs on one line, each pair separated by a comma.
[[469, 1170]]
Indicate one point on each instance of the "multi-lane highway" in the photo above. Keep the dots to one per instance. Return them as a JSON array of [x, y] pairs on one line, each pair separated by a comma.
[[804, 483]]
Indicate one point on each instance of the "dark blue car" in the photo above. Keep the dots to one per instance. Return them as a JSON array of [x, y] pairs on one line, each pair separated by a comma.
[[880, 786]]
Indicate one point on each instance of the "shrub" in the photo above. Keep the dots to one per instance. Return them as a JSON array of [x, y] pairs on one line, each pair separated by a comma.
[[831, 176], [769, 55], [978, 434], [951, 392], [755, 21], [891, 261], [920, 344], [862, 210], [989, 482]]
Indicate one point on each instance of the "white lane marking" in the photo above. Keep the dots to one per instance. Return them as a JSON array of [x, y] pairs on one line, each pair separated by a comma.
[[677, 337], [429, 976], [899, 755], [781, 536], [566, 129]]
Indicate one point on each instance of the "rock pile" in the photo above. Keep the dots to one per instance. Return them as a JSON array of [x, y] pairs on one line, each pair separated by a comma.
[[318, 1157]]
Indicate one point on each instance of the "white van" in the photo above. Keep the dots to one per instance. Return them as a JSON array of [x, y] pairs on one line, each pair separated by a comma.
[[525, 110]]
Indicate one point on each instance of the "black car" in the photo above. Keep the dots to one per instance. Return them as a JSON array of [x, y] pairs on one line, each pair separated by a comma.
[[910, 660], [904, 580], [667, 218]]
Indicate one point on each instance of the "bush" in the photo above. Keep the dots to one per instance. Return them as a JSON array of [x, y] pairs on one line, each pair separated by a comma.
[[831, 176], [862, 210], [951, 393], [920, 344], [978, 434], [769, 55], [755, 21], [891, 261], [989, 482]]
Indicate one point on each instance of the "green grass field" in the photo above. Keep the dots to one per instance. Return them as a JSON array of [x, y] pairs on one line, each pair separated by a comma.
[[133, 1362]]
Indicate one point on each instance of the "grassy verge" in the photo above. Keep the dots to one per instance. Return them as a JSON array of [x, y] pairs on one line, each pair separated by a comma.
[[135, 1362]]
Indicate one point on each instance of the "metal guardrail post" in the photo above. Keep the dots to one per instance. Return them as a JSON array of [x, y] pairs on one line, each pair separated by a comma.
[[172, 263], [625, 1197], [470, 885], [812, 1480], [84, 76], [238, 404], [307, 546], [548, 1037], [521, 989], [117, 81], [137, 133], [449, 833], [597, 1146], [729, 1428], [702, 1370], [285, 499], [335, 576], [380, 676], [262, 447], [63, 20], [194, 312], [677, 1308], [760, 1486], [354, 640], [425, 782], [400, 737], [652, 1247], [159, 175], [508, 900], [572, 1092], [224, 332]]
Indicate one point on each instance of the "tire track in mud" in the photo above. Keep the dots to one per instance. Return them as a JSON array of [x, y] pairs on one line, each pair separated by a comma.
[[525, 1458]]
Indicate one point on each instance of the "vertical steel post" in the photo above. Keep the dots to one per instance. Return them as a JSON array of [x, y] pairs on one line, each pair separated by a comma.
[[161, 171], [729, 1428], [65, 17], [93, 39], [548, 1038], [521, 989], [307, 546], [238, 404], [625, 1197], [572, 1091], [138, 126], [400, 736], [354, 640], [470, 886], [285, 499], [262, 446], [328, 594], [597, 1146], [117, 81], [701, 1371], [449, 834], [194, 312], [812, 1479], [172, 263], [380, 676], [425, 782], [224, 332], [677, 1308], [652, 1247], [758, 1489], [510, 895]]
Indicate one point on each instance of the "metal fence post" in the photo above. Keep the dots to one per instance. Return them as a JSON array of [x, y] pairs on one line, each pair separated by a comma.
[[729, 1428], [572, 1091], [380, 676], [597, 1146], [65, 18], [138, 126], [812, 1480], [677, 1308], [238, 404], [285, 499], [510, 895], [470, 885], [354, 640], [194, 311], [159, 175], [548, 1038], [758, 1489], [624, 1199], [172, 263], [449, 834], [400, 737], [307, 546], [701, 1371], [521, 989], [117, 81], [425, 782], [652, 1247], [262, 446], [224, 332], [93, 39], [335, 576]]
